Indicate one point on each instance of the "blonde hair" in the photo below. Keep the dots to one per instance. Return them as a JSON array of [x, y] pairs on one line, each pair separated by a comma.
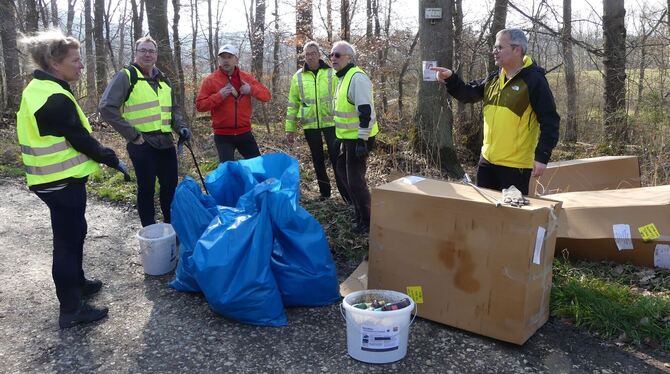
[[48, 46]]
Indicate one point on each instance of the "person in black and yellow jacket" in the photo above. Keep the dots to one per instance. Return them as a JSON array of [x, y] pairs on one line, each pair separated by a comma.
[[59, 154], [355, 126], [520, 119], [140, 104], [310, 104]]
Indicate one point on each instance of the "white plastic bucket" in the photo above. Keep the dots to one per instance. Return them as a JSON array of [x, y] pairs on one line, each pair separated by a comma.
[[158, 248], [377, 337]]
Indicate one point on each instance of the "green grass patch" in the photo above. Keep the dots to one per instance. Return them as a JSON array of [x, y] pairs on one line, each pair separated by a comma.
[[109, 185], [12, 171], [610, 307]]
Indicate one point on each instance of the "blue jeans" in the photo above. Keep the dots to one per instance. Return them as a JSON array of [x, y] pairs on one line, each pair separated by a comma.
[[151, 163]]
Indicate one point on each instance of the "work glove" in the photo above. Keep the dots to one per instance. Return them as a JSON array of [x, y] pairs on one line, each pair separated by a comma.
[[513, 197], [184, 134], [123, 169], [361, 149], [245, 89]]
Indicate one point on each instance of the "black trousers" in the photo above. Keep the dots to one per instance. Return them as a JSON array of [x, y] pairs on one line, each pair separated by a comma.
[[352, 169], [315, 142], [244, 143], [497, 177], [151, 163], [67, 208]]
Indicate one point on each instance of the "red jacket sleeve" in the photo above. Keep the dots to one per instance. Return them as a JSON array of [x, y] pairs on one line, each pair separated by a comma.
[[208, 96], [258, 89]]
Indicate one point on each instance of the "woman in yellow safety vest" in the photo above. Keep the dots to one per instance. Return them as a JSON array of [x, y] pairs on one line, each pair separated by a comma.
[[59, 154]]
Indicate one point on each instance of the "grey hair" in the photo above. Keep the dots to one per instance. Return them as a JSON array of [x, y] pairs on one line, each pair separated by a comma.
[[311, 44], [48, 46], [516, 37], [145, 39], [348, 47]]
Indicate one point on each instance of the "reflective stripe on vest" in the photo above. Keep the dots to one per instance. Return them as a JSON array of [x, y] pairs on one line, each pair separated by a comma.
[[148, 110], [48, 158], [346, 116]]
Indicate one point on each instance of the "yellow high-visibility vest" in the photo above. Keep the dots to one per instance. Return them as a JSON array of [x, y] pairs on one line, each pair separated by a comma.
[[346, 115], [48, 158], [148, 110]]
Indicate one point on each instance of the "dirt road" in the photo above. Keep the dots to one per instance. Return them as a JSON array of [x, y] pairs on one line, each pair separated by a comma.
[[152, 328]]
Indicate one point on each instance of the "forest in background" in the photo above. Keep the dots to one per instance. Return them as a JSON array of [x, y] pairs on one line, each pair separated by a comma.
[[607, 65]]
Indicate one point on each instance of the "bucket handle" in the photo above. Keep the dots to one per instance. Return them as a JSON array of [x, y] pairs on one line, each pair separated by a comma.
[[416, 311]]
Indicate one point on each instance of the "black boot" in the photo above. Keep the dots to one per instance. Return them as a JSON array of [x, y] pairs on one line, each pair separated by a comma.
[[84, 314], [91, 287]]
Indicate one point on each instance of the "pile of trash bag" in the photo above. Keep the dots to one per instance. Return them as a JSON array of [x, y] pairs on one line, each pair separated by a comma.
[[249, 246]]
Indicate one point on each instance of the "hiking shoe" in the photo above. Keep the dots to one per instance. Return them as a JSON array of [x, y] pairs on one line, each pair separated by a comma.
[[91, 287], [84, 314]]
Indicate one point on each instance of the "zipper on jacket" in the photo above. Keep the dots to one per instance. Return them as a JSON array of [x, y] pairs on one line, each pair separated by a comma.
[[230, 80], [316, 98]]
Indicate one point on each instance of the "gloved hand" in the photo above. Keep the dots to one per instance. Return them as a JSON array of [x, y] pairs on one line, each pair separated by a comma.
[[361, 148], [124, 169], [184, 134]]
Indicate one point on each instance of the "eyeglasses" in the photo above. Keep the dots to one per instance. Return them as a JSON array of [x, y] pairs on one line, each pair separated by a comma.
[[498, 48], [149, 51], [311, 53], [337, 55]]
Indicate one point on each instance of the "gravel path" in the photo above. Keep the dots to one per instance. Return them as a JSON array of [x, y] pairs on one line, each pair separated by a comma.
[[152, 328]]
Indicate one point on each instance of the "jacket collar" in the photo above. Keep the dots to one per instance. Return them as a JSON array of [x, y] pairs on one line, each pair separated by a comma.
[[344, 71], [45, 76]]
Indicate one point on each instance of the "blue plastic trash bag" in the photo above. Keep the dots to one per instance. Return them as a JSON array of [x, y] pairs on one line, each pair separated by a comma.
[[228, 182], [301, 261], [192, 211], [232, 263], [232, 179]]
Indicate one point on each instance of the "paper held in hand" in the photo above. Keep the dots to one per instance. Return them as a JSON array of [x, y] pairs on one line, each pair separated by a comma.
[[429, 75]]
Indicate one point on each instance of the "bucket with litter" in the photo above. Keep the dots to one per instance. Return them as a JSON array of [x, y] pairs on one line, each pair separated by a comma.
[[378, 324], [158, 248]]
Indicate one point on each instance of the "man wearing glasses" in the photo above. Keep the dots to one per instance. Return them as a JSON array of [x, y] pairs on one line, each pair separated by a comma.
[[310, 102], [520, 118], [139, 103], [355, 126]]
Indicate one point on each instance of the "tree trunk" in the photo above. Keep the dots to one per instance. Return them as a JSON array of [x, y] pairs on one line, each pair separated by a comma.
[[54, 14], [122, 36], [275, 53], [31, 16], [433, 116], [158, 28], [137, 22], [179, 84], [569, 68], [303, 27], [498, 23], [401, 76], [194, 43], [10, 54], [70, 16], [329, 20], [100, 55], [258, 37], [90, 57], [614, 61], [108, 36], [210, 44], [368, 23], [44, 14], [345, 27]]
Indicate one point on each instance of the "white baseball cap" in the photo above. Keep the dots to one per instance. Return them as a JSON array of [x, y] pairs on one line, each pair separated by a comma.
[[229, 48]]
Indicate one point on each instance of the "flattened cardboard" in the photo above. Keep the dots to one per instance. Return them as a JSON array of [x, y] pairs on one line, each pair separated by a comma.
[[357, 281], [587, 174], [472, 261], [585, 227]]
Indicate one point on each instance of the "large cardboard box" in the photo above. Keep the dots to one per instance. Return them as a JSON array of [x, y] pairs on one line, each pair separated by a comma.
[[588, 174], [605, 225], [466, 262]]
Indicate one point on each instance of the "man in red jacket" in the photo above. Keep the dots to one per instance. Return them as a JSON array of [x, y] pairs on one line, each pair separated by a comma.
[[227, 93]]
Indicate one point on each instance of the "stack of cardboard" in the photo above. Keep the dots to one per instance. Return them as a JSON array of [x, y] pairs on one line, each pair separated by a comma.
[[466, 262], [589, 174], [631, 225]]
